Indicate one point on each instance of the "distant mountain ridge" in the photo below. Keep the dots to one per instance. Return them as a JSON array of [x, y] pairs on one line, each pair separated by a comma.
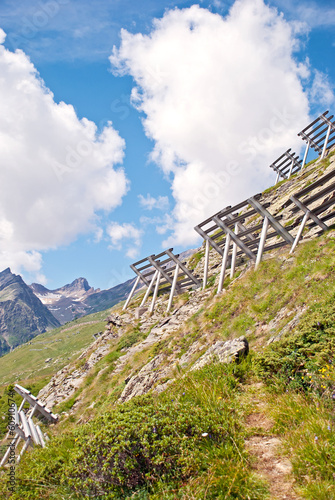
[[22, 314], [26, 311], [79, 298]]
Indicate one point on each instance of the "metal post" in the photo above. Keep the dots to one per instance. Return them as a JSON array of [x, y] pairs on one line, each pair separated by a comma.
[[33, 412], [13, 442], [291, 168], [40, 435], [326, 142], [175, 278], [131, 293], [301, 228], [305, 155], [224, 263], [152, 305], [148, 290], [277, 178], [233, 257], [21, 405], [206, 265], [27, 443], [262, 242]]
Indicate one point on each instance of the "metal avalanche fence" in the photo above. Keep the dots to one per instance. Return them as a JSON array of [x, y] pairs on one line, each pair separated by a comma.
[[23, 426], [250, 228], [162, 273]]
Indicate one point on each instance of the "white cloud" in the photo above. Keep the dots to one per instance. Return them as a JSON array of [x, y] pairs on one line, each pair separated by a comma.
[[120, 233], [321, 91], [313, 14], [56, 172], [149, 202], [162, 224], [222, 98]]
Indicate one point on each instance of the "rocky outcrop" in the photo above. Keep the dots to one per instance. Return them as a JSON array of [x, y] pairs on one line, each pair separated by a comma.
[[22, 314], [224, 352], [68, 380], [142, 382]]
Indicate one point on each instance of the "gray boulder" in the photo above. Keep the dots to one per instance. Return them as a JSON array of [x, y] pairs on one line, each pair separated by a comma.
[[224, 352]]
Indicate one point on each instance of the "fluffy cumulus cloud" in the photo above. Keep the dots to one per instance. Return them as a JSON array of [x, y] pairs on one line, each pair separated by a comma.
[[125, 235], [222, 99], [56, 172]]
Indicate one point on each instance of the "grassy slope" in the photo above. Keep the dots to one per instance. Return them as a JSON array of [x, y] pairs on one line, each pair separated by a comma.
[[27, 362], [304, 419]]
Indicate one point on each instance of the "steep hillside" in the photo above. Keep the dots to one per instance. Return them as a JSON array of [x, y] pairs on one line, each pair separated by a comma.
[[22, 314], [229, 396]]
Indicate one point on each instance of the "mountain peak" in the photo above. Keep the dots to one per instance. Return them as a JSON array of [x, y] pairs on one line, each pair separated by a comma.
[[81, 283], [6, 271]]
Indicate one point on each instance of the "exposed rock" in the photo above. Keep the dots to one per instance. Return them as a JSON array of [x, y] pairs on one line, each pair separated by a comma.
[[139, 311], [66, 381], [114, 320], [22, 314], [142, 382], [289, 327], [225, 352], [187, 356]]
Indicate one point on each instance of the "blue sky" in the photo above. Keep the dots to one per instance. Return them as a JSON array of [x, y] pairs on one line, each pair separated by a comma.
[[201, 101]]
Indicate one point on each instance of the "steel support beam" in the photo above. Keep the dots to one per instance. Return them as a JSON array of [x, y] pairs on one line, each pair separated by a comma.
[[152, 305], [224, 263], [274, 223], [235, 238], [303, 207], [183, 268], [262, 242], [131, 293], [148, 290], [175, 278], [204, 283]]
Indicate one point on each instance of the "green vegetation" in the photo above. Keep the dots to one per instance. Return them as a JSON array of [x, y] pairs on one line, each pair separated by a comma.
[[190, 442], [27, 362], [304, 359], [187, 442], [310, 441], [195, 259]]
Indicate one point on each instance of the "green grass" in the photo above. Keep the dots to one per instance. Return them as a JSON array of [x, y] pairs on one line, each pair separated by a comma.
[[187, 443], [307, 427], [118, 454], [64, 344]]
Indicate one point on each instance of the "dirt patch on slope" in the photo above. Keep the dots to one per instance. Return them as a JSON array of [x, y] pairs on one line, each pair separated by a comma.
[[264, 448]]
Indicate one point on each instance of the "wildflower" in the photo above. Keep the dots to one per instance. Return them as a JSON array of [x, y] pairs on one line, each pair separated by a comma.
[[316, 438], [204, 434], [219, 397], [183, 393], [329, 428]]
